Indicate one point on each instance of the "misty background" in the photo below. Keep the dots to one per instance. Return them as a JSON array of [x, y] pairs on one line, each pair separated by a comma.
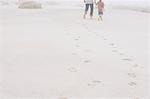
[[136, 5]]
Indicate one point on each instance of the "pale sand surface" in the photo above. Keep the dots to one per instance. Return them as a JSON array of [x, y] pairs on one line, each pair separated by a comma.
[[52, 52]]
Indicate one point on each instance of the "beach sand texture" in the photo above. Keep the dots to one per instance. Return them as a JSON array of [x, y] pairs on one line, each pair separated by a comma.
[[54, 52]]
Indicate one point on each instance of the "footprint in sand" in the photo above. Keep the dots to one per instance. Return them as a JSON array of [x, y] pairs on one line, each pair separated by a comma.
[[114, 50], [121, 54], [132, 75], [104, 39], [72, 69], [114, 47], [111, 44], [76, 39], [126, 59], [79, 37], [132, 84], [87, 28], [94, 83], [87, 61], [136, 98], [136, 65], [74, 54], [69, 34], [77, 45], [96, 34], [87, 50]]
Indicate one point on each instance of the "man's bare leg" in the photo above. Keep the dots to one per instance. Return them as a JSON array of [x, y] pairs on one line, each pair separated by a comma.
[[84, 16]]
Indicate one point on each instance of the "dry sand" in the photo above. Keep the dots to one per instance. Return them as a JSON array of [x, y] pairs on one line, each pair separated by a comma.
[[52, 53]]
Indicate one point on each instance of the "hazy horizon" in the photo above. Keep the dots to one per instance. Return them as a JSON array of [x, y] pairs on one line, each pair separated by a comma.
[[82, 0]]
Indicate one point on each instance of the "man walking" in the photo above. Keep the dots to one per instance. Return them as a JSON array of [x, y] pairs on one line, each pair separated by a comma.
[[89, 3]]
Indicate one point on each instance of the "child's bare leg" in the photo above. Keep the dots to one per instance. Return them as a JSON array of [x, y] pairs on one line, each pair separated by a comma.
[[98, 18], [101, 18]]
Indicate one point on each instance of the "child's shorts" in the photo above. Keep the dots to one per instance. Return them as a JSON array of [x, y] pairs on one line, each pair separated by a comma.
[[100, 13]]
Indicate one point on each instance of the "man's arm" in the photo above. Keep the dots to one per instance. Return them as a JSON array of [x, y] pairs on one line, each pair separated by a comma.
[[95, 2]]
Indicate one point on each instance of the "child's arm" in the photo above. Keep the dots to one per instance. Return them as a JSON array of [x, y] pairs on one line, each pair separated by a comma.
[[103, 5]]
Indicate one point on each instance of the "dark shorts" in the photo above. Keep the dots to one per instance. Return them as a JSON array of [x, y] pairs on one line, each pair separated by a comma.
[[100, 13]]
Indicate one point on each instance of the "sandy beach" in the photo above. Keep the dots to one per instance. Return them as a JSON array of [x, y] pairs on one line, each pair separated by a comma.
[[53, 53]]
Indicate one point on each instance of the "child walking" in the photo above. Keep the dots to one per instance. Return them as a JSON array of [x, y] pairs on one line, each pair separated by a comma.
[[100, 5]]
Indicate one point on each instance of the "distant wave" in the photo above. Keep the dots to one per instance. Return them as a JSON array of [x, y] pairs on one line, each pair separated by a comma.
[[126, 5], [140, 8], [50, 3], [4, 3]]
